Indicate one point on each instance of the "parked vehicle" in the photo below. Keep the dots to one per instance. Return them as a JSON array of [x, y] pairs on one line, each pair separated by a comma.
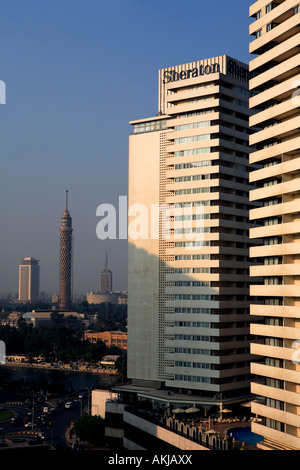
[[69, 404], [16, 420]]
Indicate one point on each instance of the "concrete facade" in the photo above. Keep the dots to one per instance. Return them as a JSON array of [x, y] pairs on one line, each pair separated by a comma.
[[276, 135]]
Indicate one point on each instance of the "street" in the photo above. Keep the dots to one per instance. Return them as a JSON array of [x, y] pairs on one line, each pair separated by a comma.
[[32, 420]]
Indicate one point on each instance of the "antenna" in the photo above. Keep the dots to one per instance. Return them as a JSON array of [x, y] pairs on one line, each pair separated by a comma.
[[67, 199], [106, 261]]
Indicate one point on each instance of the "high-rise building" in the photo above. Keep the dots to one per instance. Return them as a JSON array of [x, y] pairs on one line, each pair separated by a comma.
[[188, 282], [276, 31], [65, 266], [29, 280], [105, 279]]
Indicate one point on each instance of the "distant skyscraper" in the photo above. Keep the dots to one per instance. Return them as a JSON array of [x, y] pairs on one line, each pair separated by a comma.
[[106, 278], [65, 276], [29, 279]]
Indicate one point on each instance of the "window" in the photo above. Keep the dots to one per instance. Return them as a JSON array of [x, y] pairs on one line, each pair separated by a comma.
[[182, 179], [258, 15], [270, 26], [279, 405], [272, 221], [149, 127], [272, 281], [201, 365], [269, 7], [296, 9], [272, 241], [182, 257], [278, 342], [258, 33], [272, 202], [182, 270], [184, 166], [277, 425], [273, 260], [272, 182]]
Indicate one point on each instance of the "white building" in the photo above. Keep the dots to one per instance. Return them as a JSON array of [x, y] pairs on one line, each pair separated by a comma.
[[29, 280]]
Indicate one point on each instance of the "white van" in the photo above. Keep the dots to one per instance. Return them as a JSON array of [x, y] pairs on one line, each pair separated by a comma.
[[69, 404]]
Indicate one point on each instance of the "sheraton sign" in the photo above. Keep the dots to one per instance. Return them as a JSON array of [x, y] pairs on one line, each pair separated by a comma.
[[234, 69], [173, 76]]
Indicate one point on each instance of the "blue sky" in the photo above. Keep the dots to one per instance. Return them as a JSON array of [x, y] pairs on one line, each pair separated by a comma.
[[76, 73]]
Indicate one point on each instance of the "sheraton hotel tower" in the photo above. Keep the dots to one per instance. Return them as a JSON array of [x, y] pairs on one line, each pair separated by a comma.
[[188, 311]]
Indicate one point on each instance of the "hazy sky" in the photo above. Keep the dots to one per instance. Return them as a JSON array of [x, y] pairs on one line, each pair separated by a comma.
[[76, 72]]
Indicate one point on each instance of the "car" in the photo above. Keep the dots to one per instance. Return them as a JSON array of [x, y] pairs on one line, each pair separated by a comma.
[[69, 404], [29, 425], [16, 420]]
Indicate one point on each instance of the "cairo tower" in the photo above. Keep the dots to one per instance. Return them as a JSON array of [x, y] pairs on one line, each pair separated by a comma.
[[65, 275]]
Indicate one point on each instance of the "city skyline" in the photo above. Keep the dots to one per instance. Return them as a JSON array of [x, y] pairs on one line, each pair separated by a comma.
[[66, 118]]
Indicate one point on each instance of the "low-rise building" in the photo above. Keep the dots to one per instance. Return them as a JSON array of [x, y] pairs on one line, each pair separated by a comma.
[[110, 338], [10, 318], [109, 362], [44, 318]]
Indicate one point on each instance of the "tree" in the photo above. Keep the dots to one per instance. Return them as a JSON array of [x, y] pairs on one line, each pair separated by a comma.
[[121, 366], [57, 318], [90, 429]]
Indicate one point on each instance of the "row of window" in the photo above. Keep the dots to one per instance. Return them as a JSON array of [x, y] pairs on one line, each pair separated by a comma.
[[182, 205], [188, 257], [192, 284], [272, 241], [272, 202], [272, 260], [201, 100], [181, 192], [185, 166], [191, 270], [189, 378], [204, 352], [186, 153], [194, 324], [273, 281], [195, 113], [183, 179], [149, 127], [181, 218], [272, 221], [199, 87], [194, 138], [243, 91], [195, 125], [244, 104], [195, 365], [192, 337], [197, 310], [191, 245], [180, 231]]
